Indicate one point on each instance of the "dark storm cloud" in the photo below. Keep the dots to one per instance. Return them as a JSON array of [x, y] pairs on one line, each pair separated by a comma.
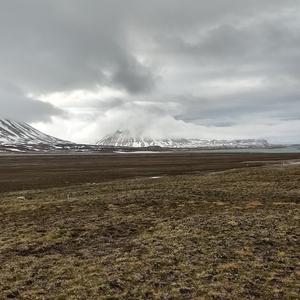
[[223, 61], [58, 45], [15, 105], [135, 77], [258, 49]]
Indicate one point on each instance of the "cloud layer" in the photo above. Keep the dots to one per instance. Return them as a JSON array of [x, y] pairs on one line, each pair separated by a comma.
[[219, 68]]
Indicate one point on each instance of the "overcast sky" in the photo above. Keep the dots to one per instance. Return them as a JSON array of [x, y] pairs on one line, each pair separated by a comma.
[[79, 69]]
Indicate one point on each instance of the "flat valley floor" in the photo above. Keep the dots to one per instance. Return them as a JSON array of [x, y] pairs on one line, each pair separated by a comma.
[[155, 226]]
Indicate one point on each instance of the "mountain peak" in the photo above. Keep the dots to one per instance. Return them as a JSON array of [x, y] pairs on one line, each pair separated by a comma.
[[124, 138], [15, 132]]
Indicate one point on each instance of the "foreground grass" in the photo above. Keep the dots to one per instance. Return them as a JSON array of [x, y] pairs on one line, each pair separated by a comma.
[[230, 235]]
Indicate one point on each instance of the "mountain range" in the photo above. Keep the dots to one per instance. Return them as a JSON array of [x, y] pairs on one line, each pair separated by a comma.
[[127, 139], [20, 137]]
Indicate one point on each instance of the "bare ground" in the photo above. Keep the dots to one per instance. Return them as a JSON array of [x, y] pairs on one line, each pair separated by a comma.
[[226, 235], [21, 172]]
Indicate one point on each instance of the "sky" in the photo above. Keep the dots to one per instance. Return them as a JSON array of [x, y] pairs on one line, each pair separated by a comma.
[[218, 69]]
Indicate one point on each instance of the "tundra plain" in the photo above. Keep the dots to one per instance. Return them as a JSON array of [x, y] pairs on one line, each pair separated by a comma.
[[155, 226]]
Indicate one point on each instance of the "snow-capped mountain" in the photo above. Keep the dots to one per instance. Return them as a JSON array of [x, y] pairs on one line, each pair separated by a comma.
[[126, 139], [17, 133]]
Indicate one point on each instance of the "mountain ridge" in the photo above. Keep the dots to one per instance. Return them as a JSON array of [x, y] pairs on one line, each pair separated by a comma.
[[14, 132], [124, 138]]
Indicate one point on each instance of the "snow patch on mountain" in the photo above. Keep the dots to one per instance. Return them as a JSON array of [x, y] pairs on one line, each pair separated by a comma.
[[16, 133], [126, 139]]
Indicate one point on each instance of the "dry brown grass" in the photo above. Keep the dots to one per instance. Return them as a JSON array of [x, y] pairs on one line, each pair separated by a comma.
[[180, 237]]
